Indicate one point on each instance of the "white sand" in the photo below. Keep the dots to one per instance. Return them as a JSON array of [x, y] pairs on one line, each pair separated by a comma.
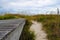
[[39, 33]]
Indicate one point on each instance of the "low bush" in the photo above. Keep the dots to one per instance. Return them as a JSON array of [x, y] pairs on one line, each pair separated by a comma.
[[26, 33]]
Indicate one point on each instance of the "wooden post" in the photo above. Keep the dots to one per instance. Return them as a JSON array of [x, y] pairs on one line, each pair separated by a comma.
[[58, 19], [57, 11]]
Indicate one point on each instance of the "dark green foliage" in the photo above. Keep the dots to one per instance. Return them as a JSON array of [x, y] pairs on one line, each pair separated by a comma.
[[7, 17], [27, 34]]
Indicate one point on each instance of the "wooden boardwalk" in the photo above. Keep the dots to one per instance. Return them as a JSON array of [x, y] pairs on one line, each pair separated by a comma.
[[8, 26]]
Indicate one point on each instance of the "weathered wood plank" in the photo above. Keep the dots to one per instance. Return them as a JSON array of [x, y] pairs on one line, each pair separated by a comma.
[[9, 27]]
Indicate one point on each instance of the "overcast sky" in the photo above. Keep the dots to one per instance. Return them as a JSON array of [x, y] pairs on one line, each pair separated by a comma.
[[33, 6]]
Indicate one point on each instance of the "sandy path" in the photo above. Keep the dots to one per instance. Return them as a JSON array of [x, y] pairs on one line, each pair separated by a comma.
[[39, 33]]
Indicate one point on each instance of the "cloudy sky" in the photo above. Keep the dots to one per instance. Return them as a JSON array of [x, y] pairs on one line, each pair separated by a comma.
[[33, 6]]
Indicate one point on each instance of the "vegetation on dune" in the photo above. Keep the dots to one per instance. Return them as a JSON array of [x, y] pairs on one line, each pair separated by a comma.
[[51, 24], [7, 16]]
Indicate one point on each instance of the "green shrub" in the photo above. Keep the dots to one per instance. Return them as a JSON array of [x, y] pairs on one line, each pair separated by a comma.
[[6, 17], [26, 33]]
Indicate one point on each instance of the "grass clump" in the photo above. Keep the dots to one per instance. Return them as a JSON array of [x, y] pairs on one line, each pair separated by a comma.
[[26, 33], [4, 17]]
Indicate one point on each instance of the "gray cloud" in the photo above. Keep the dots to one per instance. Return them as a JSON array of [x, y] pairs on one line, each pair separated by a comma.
[[17, 5]]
